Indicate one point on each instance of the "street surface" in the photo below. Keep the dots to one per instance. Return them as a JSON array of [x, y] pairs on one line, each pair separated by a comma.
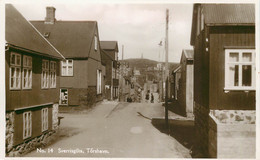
[[113, 130]]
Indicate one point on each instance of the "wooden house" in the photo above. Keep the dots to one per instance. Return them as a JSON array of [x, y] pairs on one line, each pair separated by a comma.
[[176, 75], [81, 72], [112, 73], [223, 37], [186, 83], [32, 84]]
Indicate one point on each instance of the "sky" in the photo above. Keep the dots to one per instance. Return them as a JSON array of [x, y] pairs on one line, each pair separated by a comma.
[[139, 27]]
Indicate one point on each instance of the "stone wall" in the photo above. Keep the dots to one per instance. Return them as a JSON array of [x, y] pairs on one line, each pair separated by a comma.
[[9, 132], [201, 113], [232, 134], [55, 111]]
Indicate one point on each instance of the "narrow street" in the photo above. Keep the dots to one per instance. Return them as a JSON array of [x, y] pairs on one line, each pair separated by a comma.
[[113, 130]]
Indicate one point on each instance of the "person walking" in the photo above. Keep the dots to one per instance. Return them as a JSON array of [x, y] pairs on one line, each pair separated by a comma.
[[152, 98]]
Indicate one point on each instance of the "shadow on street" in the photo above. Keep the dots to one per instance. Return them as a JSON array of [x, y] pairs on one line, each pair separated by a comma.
[[182, 130]]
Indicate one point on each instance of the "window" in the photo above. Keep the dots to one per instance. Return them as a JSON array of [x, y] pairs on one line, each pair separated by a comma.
[[44, 119], [27, 124], [96, 43], [15, 71], [99, 76], [52, 74], [63, 96], [240, 69], [27, 72], [45, 73], [67, 67], [201, 19]]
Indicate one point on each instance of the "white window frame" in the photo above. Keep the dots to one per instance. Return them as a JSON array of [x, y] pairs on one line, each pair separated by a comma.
[[240, 64], [53, 74], [99, 82], [17, 68], [45, 73], [45, 119], [27, 69], [65, 65], [96, 42], [64, 97], [27, 124]]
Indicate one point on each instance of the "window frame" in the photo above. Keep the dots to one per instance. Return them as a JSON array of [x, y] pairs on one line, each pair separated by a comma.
[[95, 43], [45, 119], [65, 98], [99, 81], [27, 127], [240, 63], [45, 69], [15, 66], [27, 67], [53, 74], [65, 63]]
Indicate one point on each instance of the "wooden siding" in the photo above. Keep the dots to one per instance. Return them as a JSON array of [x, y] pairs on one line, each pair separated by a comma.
[[79, 78], [201, 71], [93, 66], [36, 95], [220, 37], [36, 124]]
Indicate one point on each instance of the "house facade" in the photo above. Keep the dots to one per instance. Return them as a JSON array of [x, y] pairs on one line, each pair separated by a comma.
[[176, 74], [223, 37], [81, 72], [112, 70], [32, 85], [186, 83]]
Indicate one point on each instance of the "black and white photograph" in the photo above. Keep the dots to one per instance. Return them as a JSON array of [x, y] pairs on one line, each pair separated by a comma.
[[130, 79]]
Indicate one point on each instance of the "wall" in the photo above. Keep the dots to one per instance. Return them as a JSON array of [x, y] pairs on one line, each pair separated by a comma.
[[219, 38], [36, 95], [79, 78], [189, 90]]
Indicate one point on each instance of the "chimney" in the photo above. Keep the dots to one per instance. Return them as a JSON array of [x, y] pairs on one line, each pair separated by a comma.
[[50, 15]]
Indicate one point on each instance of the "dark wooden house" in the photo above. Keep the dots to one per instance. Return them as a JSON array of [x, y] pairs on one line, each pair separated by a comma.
[[223, 36], [112, 73], [176, 75], [32, 84], [186, 83], [81, 72]]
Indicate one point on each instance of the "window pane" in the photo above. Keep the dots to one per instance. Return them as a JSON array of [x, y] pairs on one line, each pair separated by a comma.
[[233, 57], [70, 70], [233, 75], [13, 59], [246, 75], [18, 60], [69, 62], [247, 57]]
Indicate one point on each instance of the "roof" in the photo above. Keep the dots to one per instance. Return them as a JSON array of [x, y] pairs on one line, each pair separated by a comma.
[[223, 15], [176, 69], [189, 54], [20, 33], [73, 38], [105, 56], [109, 45]]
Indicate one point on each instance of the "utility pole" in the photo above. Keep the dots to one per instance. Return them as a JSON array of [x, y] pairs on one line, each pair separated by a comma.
[[166, 72]]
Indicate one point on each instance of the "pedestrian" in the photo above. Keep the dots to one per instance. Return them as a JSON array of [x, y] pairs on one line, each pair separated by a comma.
[[152, 98], [147, 96]]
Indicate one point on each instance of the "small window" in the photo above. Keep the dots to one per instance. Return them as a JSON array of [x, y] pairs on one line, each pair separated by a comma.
[[240, 69], [45, 73], [27, 72], [96, 43], [15, 71], [99, 80], [27, 124], [63, 96], [67, 67], [44, 119], [52, 74]]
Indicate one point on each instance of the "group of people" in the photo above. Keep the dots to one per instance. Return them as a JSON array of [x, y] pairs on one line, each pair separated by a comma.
[[147, 97]]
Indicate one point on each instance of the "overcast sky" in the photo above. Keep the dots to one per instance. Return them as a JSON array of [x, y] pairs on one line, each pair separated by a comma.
[[139, 27]]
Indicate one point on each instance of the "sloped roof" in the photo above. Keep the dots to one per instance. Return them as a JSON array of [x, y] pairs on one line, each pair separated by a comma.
[[229, 13], [20, 33], [223, 15], [189, 54], [105, 56], [109, 45], [72, 38]]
